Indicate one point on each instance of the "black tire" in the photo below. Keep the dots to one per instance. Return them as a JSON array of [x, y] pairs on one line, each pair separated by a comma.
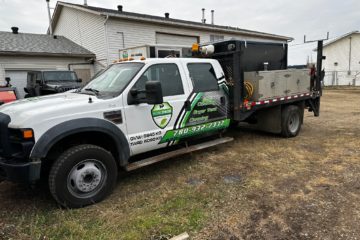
[[291, 120], [82, 175]]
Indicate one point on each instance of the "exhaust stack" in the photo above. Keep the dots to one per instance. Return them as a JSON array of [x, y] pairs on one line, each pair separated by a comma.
[[15, 30], [212, 17], [203, 20]]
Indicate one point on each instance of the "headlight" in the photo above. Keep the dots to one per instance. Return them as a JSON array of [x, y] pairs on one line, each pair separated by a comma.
[[21, 134]]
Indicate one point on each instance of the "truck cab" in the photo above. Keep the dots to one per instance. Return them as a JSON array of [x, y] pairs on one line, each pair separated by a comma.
[[131, 108], [47, 82]]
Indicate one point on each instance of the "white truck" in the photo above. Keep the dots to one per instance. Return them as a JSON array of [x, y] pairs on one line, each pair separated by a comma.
[[80, 140]]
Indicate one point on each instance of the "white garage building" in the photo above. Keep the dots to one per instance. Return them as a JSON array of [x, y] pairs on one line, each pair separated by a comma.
[[23, 52], [342, 64], [106, 31]]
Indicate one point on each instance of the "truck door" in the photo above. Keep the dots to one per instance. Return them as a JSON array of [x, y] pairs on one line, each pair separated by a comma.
[[206, 108], [208, 101], [146, 124]]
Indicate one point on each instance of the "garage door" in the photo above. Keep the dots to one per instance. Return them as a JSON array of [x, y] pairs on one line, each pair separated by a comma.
[[173, 39], [18, 80]]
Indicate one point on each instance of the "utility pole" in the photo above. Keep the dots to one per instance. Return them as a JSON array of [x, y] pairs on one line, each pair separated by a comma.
[[48, 8]]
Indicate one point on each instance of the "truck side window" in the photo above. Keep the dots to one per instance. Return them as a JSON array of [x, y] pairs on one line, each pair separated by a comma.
[[167, 74], [38, 77], [203, 77]]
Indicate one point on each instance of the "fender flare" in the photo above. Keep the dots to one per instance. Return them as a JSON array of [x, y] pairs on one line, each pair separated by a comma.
[[62, 130]]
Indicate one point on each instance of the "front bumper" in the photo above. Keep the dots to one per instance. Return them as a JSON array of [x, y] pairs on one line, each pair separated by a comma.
[[21, 171]]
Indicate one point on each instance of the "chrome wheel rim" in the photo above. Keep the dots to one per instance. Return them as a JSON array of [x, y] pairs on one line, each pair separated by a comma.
[[294, 123], [86, 178]]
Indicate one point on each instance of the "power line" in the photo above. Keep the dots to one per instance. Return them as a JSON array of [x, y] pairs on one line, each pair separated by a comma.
[[297, 44]]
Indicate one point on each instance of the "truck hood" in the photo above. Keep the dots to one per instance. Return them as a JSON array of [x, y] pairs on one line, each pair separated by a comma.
[[27, 111]]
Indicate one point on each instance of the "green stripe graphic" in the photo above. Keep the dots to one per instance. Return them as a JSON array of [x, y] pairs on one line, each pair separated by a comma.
[[178, 134], [193, 104]]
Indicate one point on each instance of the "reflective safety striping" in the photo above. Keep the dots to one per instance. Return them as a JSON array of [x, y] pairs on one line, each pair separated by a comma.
[[249, 104]]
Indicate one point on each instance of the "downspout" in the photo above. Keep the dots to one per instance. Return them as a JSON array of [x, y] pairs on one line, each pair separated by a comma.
[[107, 40], [349, 71], [123, 39]]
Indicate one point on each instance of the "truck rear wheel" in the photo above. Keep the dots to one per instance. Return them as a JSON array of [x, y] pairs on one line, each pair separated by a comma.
[[291, 121], [82, 175]]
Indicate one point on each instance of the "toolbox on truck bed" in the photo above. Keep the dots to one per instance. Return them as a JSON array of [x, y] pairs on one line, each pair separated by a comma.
[[257, 76]]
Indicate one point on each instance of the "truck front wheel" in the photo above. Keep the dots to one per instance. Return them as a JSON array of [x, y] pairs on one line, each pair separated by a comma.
[[291, 121], [82, 175]]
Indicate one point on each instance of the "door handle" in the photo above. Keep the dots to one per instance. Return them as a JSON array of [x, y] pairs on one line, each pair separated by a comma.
[[187, 105], [222, 101]]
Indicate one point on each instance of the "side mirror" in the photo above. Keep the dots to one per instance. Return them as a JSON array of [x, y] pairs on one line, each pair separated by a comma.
[[79, 80], [134, 92], [153, 92]]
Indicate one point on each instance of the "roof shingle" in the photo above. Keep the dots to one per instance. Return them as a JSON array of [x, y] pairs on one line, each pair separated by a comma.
[[40, 44]]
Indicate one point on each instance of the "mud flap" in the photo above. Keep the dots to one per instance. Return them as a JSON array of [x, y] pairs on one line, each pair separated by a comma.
[[269, 119]]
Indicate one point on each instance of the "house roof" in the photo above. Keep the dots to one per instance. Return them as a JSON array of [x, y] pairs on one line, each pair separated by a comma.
[[40, 45], [164, 21], [339, 38]]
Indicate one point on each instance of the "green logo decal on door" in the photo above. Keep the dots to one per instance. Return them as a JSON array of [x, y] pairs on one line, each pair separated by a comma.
[[161, 114]]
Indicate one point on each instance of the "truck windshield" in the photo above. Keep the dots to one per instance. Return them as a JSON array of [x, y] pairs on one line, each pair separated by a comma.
[[59, 76], [113, 80]]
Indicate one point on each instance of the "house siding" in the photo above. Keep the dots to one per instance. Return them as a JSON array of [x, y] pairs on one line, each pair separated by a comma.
[[140, 33], [85, 29], [338, 52], [106, 37]]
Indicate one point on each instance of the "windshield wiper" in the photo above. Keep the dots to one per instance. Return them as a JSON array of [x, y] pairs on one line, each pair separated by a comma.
[[96, 92]]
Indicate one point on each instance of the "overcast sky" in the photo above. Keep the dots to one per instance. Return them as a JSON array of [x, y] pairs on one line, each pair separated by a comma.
[[284, 17]]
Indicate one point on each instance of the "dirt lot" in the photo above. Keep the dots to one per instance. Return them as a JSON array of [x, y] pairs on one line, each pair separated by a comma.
[[260, 186]]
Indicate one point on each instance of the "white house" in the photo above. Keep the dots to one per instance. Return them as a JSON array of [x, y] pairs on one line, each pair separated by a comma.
[[23, 52], [342, 64], [106, 31]]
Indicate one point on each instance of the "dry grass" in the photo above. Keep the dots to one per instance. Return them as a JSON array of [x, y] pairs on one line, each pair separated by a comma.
[[260, 186]]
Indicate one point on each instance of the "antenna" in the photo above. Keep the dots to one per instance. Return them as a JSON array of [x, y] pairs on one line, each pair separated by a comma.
[[323, 39]]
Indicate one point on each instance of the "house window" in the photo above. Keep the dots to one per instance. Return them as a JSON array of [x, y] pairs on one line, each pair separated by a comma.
[[216, 38]]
